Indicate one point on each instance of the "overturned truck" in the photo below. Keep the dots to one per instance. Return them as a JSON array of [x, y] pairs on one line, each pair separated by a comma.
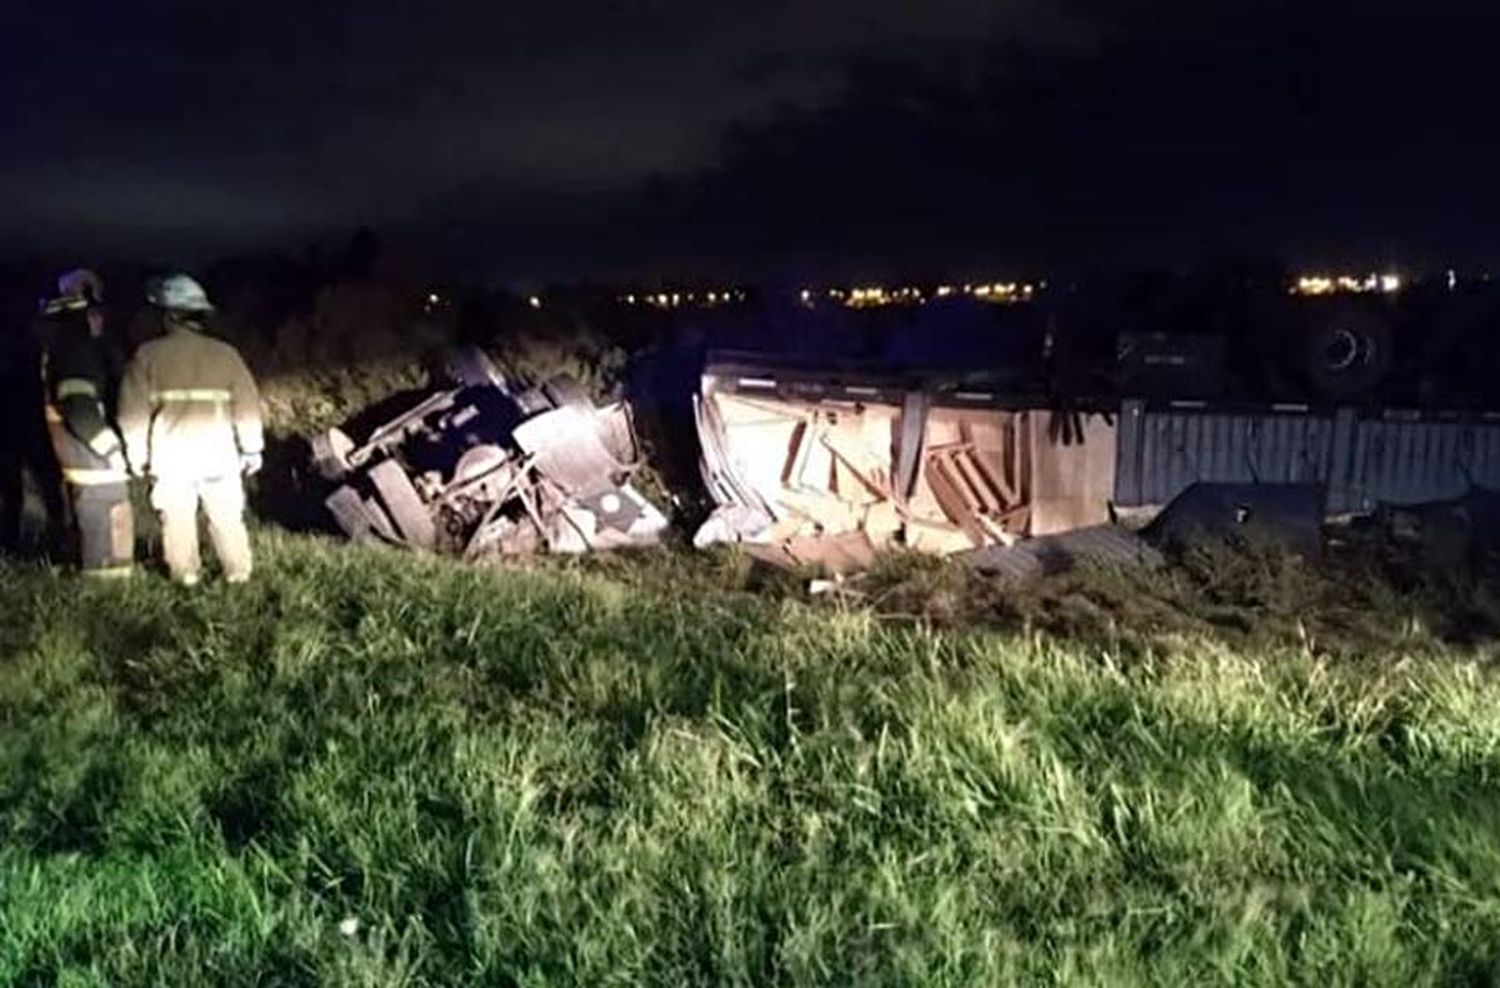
[[487, 467], [828, 466]]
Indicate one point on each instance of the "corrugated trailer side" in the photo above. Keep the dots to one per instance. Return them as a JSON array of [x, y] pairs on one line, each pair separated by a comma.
[[1362, 458]]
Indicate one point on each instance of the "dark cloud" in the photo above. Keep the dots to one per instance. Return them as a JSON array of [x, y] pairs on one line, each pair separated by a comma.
[[1335, 131], [543, 135], [281, 115]]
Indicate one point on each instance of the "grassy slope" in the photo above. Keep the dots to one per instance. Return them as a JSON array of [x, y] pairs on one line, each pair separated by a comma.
[[368, 769]]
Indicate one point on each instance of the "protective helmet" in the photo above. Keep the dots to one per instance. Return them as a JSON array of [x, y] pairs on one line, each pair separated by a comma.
[[77, 289], [178, 293], [81, 281]]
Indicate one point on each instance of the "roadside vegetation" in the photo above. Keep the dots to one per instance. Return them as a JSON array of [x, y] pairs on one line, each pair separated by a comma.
[[672, 768]]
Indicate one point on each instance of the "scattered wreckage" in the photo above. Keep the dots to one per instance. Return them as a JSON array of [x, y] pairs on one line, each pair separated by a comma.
[[829, 467], [818, 468], [487, 468]]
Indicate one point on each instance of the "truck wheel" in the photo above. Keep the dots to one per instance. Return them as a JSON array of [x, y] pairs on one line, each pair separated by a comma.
[[1347, 354], [405, 506], [330, 453]]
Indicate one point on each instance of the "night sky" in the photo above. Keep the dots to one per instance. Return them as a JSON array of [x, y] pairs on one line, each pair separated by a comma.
[[838, 137]]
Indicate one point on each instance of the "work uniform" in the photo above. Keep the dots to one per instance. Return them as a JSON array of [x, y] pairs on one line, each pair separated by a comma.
[[78, 370], [190, 412]]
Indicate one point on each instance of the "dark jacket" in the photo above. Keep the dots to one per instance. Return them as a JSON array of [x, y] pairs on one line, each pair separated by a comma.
[[79, 371]]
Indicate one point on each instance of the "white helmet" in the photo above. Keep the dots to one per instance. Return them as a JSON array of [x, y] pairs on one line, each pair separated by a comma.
[[178, 293]]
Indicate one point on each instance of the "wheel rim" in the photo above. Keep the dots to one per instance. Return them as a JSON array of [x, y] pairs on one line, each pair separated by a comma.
[[1341, 351]]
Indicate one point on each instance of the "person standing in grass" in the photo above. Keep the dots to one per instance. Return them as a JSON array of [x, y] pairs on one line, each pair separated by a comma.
[[24, 443], [190, 413], [79, 369]]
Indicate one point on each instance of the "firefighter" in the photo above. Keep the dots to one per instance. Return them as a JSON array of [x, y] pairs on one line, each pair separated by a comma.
[[190, 414], [78, 372]]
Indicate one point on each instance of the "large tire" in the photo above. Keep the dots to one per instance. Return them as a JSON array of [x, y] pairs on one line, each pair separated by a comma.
[[404, 505], [1347, 353], [330, 453]]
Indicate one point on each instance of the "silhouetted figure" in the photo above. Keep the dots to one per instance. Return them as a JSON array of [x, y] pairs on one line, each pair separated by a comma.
[[24, 446]]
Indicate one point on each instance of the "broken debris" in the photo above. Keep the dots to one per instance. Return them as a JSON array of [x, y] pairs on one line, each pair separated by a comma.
[[830, 472], [485, 468], [1047, 555]]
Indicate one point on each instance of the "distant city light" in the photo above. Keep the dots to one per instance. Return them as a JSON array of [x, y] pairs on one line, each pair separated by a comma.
[[536, 302], [1452, 279], [1321, 284]]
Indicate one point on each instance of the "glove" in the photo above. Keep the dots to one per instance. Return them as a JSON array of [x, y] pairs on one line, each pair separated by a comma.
[[250, 464]]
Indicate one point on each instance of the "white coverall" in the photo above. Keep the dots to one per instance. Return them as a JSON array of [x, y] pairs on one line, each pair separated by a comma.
[[189, 412]]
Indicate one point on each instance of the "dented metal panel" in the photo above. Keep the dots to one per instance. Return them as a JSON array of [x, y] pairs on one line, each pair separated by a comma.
[[1164, 451]]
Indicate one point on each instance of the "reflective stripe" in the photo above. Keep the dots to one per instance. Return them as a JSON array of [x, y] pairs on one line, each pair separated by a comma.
[[104, 443], [70, 386], [67, 303], [91, 477], [194, 394], [109, 572]]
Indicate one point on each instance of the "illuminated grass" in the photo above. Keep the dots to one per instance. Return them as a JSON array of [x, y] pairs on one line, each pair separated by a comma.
[[365, 768]]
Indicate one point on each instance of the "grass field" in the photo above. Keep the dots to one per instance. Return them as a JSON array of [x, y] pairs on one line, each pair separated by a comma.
[[366, 768]]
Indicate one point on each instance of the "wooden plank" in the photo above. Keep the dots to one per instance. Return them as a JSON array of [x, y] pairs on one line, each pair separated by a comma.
[[1004, 494], [844, 553], [796, 455], [984, 495], [816, 473], [883, 520], [938, 538], [860, 463], [739, 410], [952, 501], [827, 512]]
